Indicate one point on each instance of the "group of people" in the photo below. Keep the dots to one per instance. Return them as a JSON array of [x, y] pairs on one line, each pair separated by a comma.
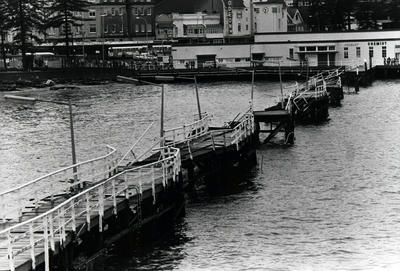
[[391, 61]]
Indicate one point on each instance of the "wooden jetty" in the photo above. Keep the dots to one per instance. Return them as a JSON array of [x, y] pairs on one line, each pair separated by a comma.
[[275, 121], [52, 223], [310, 101]]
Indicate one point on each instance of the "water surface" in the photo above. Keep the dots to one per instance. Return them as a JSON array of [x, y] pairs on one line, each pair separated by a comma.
[[330, 202]]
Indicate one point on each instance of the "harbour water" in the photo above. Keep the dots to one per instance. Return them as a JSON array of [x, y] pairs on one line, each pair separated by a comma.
[[330, 202]]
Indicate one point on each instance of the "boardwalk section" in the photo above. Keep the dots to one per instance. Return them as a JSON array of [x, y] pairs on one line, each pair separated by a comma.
[[80, 210]]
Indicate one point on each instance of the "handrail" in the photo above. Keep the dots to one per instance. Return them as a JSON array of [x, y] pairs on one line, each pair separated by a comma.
[[55, 183], [187, 132], [53, 223], [244, 128]]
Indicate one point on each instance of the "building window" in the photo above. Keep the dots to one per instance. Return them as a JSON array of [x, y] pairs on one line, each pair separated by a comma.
[[358, 52], [274, 10], [256, 10], [302, 48], [92, 28], [311, 48], [148, 27], [148, 11], [255, 26], [346, 52], [279, 23], [113, 11], [239, 27], [291, 53], [142, 28], [239, 15], [322, 48], [135, 11], [92, 13], [247, 27], [371, 51], [383, 51]]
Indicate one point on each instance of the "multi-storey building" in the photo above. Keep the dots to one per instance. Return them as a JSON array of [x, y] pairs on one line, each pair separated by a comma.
[[196, 26], [111, 19], [237, 18], [270, 16], [141, 18]]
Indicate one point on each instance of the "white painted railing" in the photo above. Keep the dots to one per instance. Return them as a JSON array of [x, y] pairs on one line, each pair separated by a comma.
[[188, 131], [41, 234], [58, 183], [243, 129]]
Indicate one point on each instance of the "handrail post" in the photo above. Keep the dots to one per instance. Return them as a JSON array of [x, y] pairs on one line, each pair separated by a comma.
[[114, 195], [71, 126], [162, 117], [46, 244], [88, 211], [197, 96], [32, 244]]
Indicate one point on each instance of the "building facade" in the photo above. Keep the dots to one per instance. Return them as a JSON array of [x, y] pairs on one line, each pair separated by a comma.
[[270, 16], [141, 18], [197, 26], [237, 18], [351, 49]]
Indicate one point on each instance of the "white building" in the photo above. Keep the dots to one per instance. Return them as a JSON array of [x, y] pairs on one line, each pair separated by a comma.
[[318, 49], [270, 16], [237, 18], [197, 25]]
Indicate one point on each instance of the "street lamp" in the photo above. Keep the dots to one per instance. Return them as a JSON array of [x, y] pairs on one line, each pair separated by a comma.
[[31, 100], [145, 24], [102, 24]]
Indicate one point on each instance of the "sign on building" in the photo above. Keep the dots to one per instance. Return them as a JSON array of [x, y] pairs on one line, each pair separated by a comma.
[[230, 28]]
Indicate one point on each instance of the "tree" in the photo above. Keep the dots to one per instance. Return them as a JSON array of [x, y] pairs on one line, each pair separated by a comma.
[[319, 15], [394, 11], [369, 12], [24, 17], [4, 27], [348, 11], [63, 15]]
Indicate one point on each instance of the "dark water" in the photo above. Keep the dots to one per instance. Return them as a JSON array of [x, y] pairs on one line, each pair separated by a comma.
[[330, 202]]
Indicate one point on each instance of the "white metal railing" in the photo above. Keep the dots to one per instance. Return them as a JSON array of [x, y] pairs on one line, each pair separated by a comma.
[[40, 234], [316, 86], [188, 131], [60, 182], [243, 129]]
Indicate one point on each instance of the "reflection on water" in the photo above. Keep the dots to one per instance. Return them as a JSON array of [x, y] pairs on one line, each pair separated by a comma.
[[330, 202]]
